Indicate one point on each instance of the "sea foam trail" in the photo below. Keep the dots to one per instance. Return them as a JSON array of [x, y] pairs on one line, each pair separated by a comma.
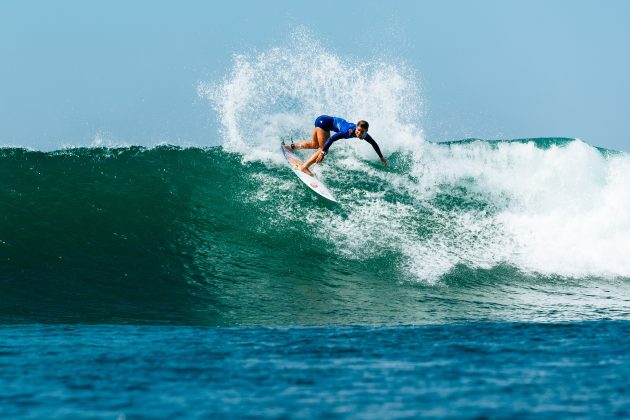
[[549, 206]]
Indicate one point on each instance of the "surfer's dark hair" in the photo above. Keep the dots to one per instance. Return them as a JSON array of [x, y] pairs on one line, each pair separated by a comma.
[[363, 124]]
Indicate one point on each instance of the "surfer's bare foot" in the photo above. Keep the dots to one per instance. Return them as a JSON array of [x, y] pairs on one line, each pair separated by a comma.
[[306, 171]]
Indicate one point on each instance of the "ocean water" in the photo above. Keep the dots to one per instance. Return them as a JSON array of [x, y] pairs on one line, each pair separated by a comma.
[[469, 278], [458, 370]]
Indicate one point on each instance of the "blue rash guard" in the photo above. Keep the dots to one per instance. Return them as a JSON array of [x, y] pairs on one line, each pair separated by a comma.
[[343, 130]]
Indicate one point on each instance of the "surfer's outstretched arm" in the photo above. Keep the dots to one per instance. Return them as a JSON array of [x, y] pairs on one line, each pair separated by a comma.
[[377, 149], [318, 156], [331, 140]]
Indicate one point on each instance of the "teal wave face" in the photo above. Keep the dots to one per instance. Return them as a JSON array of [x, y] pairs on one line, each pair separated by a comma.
[[198, 236]]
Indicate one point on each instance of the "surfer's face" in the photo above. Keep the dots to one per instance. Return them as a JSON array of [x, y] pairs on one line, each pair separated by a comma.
[[360, 132]]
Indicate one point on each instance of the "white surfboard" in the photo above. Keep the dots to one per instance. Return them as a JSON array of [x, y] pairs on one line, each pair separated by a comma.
[[313, 183]]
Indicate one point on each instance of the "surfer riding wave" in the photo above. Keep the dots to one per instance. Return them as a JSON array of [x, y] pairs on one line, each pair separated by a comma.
[[322, 140]]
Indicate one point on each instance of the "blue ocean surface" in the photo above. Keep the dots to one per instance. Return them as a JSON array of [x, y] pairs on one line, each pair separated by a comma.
[[478, 370]]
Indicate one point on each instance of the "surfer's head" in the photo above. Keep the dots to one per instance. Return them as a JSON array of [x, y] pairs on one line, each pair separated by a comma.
[[362, 128]]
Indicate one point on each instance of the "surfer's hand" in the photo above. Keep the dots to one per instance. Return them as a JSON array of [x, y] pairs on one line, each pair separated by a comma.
[[320, 157], [384, 161]]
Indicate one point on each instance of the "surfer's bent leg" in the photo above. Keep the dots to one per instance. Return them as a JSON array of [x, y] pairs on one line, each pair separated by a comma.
[[323, 125], [316, 141], [319, 138], [322, 136]]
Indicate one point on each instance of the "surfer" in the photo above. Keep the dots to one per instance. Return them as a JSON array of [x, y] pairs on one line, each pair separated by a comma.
[[322, 140]]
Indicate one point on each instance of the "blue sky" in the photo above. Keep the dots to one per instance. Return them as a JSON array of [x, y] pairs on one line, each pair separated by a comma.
[[72, 70]]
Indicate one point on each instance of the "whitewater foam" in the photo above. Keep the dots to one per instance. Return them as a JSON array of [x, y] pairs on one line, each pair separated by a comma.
[[557, 211]]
